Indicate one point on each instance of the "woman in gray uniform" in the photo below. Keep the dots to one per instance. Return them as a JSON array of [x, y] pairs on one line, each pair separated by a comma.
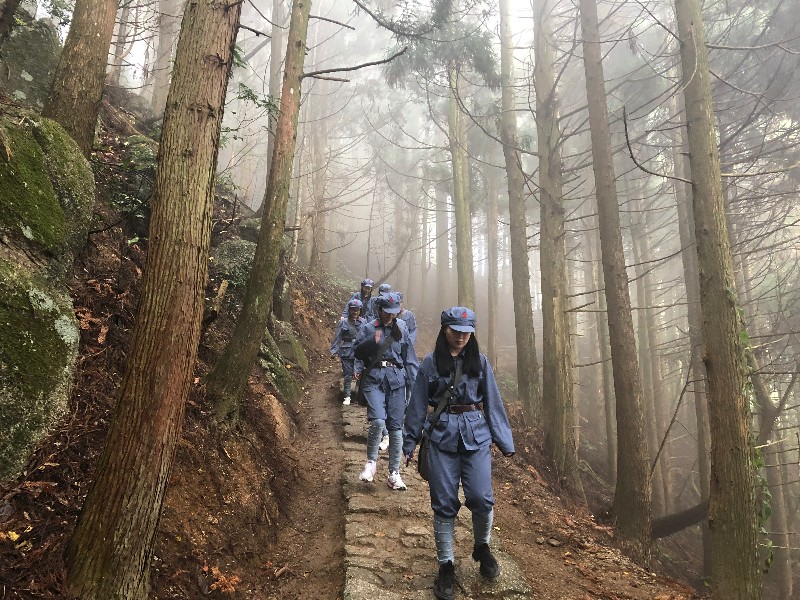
[[460, 440]]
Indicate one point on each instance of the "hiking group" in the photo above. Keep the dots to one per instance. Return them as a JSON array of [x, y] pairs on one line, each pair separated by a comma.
[[449, 406]]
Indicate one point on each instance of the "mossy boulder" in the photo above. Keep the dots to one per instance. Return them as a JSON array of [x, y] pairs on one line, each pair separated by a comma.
[[249, 229], [30, 57], [289, 345], [274, 364], [232, 260], [46, 186], [46, 200], [38, 348]]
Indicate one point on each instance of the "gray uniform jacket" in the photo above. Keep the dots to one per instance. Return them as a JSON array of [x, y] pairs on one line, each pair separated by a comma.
[[476, 428]]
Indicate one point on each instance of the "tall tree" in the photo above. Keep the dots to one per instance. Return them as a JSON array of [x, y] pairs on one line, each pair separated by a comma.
[[527, 363], [559, 411], [168, 19], [732, 516], [226, 382], [74, 100], [632, 496], [110, 551], [459, 156]]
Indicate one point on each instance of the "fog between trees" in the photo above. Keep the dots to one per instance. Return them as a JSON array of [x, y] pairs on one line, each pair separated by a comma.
[[403, 171]]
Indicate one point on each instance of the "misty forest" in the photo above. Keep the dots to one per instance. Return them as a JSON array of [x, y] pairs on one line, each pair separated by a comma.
[[191, 192]]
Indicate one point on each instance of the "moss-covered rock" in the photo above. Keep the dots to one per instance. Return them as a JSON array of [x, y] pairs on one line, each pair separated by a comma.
[[38, 348], [232, 260], [289, 345], [30, 57], [46, 200], [71, 177], [272, 361], [46, 185], [249, 229]]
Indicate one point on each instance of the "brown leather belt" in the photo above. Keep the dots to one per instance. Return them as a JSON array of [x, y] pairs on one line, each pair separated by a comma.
[[457, 409]]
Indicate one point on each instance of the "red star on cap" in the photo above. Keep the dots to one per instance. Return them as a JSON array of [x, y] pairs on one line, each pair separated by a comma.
[[464, 315]]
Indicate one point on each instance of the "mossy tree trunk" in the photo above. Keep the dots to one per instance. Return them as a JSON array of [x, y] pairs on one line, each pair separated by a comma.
[[75, 96], [527, 363], [558, 411], [735, 572], [226, 382], [109, 553], [632, 496]]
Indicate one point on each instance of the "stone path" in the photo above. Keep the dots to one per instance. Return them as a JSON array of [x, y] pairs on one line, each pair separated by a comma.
[[389, 547]]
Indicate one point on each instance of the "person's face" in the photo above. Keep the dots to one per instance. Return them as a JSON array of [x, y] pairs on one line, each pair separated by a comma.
[[387, 318], [366, 291], [354, 312], [457, 340]]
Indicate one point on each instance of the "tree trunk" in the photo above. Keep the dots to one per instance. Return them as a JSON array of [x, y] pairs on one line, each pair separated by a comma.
[[559, 411], [168, 19], [457, 136], [74, 100], [119, 44], [442, 247], [527, 362], [226, 382], [275, 58], [7, 21], [493, 285], [691, 277], [732, 515], [109, 553], [632, 496]]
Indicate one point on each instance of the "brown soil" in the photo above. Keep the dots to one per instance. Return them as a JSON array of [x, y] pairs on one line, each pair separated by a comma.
[[257, 511]]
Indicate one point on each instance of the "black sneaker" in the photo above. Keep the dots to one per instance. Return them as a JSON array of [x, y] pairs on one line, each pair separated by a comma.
[[490, 569], [443, 586]]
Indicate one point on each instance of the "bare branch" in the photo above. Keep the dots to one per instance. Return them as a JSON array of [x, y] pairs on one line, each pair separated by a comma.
[[356, 67], [633, 158]]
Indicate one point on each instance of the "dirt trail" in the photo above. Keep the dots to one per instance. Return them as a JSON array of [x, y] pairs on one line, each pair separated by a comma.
[[389, 547]]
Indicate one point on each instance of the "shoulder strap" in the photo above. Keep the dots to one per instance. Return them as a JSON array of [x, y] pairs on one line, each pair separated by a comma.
[[447, 395], [385, 343]]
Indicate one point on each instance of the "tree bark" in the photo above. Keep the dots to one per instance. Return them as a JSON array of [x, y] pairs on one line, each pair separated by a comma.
[[559, 411], [732, 517], [80, 76], [226, 382], [168, 19], [632, 497], [109, 553], [527, 362], [493, 284], [457, 137], [119, 44]]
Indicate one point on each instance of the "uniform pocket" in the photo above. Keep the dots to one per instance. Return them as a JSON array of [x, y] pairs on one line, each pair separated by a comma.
[[479, 427]]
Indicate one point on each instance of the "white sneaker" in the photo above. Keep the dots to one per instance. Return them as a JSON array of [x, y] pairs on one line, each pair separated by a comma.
[[384, 443], [395, 482], [368, 474], [346, 401]]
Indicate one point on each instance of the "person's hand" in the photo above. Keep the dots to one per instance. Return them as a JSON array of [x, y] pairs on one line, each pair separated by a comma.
[[409, 457], [356, 376]]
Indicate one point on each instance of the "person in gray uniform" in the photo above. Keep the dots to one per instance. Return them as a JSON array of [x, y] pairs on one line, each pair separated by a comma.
[[383, 345], [344, 344], [460, 440]]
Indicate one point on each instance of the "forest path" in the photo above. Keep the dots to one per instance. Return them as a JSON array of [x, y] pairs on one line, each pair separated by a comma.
[[389, 546]]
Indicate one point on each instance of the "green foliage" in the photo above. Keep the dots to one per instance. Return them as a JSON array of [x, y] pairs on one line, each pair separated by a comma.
[[264, 101], [60, 10], [238, 58]]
